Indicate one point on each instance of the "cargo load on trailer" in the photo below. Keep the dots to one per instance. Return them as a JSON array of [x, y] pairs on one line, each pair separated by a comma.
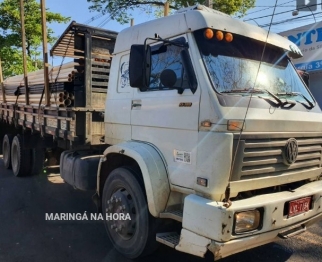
[[78, 89]]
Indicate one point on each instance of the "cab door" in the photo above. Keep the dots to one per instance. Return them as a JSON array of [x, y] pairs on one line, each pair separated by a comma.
[[118, 102], [167, 116]]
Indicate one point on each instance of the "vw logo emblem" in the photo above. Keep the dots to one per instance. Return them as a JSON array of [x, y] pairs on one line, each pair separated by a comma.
[[290, 151]]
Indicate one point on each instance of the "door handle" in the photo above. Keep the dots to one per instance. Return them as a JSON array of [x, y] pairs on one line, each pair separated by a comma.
[[136, 104]]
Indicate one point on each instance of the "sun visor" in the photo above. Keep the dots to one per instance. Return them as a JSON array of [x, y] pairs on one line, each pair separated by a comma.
[[294, 52]]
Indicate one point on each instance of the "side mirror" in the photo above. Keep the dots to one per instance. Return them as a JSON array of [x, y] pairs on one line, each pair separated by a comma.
[[187, 65], [140, 66]]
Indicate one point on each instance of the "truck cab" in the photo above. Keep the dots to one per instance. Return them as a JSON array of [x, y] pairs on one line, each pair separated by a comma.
[[226, 134]]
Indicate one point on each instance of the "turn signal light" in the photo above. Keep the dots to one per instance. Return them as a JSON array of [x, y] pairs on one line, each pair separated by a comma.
[[202, 181], [206, 123], [235, 125]]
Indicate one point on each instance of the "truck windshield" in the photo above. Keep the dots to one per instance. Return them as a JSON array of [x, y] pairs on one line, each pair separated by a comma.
[[234, 68]]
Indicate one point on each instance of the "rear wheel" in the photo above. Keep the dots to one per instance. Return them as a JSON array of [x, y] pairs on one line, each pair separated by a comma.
[[123, 193], [6, 149], [20, 158]]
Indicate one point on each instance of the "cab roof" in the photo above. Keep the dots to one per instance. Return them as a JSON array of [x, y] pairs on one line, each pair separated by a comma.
[[194, 18]]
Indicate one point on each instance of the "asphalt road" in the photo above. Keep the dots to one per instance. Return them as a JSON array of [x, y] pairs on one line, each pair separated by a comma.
[[25, 234]]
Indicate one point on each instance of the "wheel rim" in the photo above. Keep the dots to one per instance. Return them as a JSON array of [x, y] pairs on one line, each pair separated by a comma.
[[121, 202]]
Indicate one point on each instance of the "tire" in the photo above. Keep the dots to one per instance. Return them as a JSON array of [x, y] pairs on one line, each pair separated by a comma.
[[137, 237], [6, 149], [37, 161], [20, 158]]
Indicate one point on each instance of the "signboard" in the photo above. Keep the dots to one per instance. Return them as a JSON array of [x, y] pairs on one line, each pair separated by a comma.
[[309, 39], [306, 5]]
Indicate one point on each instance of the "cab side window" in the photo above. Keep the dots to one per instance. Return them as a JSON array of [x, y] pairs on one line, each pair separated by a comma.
[[167, 71]]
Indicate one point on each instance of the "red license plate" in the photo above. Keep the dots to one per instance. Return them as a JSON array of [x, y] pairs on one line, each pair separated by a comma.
[[299, 206]]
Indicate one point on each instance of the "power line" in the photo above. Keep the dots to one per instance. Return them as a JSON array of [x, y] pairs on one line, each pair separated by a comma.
[[105, 21], [265, 16], [301, 18], [269, 7], [93, 19]]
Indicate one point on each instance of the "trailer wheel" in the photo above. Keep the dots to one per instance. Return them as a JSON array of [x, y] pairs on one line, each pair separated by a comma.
[[37, 161], [6, 149], [135, 234], [20, 158]]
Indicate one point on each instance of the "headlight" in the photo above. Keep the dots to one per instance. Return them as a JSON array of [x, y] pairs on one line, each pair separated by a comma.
[[246, 221]]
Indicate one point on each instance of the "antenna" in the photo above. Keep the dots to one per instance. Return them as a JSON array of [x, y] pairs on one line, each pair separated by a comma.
[[227, 202]]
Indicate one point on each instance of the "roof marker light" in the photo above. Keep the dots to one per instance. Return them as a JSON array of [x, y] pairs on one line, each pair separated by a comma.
[[219, 35], [208, 33], [229, 37]]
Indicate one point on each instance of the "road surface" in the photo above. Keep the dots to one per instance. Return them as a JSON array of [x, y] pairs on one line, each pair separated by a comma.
[[25, 234]]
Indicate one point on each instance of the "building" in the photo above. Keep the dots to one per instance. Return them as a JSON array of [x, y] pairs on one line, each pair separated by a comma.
[[309, 39]]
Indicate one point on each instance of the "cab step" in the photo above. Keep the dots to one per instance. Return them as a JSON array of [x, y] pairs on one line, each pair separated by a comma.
[[170, 239], [173, 214]]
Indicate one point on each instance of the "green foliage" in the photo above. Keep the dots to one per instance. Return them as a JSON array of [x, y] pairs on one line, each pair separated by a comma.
[[120, 10], [12, 62], [10, 34]]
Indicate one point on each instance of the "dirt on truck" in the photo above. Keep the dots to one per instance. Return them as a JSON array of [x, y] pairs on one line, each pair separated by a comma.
[[200, 136]]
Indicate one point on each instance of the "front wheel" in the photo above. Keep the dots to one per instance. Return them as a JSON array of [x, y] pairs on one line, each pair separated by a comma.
[[129, 225]]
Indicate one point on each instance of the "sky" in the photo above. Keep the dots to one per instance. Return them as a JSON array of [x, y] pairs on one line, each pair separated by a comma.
[[283, 18], [260, 15], [78, 10]]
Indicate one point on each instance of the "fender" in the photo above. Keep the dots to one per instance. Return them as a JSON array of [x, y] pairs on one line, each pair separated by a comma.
[[153, 171]]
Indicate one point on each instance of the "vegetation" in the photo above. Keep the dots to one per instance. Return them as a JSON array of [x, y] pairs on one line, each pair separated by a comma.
[[10, 35], [120, 10]]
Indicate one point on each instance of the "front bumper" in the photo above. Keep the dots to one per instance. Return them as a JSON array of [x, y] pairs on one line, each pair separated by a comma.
[[210, 223]]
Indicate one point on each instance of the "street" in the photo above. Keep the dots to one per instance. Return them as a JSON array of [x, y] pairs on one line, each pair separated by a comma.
[[25, 234]]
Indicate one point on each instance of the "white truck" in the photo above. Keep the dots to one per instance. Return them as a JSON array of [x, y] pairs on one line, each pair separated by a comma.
[[212, 141]]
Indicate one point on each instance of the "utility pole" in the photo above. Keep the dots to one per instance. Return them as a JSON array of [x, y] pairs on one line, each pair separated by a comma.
[[1, 83], [209, 3], [23, 38], [132, 21], [45, 51], [166, 8]]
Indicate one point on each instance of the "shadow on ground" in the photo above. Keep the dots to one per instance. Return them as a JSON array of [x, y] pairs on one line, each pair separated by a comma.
[[26, 235]]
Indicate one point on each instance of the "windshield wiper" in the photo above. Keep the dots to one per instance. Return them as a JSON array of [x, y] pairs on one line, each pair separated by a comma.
[[310, 104], [249, 90], [277, 101]]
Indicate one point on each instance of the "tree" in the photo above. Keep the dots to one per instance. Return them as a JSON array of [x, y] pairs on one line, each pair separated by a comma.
[[10, 35], [119, 9]]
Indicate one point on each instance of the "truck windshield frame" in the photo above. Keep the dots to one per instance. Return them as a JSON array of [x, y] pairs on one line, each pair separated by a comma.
[[242, 65]]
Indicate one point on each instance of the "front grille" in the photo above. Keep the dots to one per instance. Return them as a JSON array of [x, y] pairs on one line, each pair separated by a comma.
[[258, 157]]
